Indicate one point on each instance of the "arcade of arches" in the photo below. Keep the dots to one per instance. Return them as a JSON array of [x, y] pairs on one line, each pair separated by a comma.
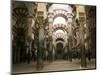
[[49, 32]]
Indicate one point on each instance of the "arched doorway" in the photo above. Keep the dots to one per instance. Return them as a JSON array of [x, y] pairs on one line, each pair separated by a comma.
[[59, 51]]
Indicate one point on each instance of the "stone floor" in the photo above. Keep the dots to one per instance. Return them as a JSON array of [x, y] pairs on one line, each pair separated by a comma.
[[58, 65]]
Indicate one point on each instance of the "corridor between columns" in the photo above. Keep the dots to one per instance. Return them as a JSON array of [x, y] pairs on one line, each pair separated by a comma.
[[48, 36]]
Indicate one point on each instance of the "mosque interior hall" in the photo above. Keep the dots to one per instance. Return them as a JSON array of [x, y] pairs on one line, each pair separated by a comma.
[[52, 37]]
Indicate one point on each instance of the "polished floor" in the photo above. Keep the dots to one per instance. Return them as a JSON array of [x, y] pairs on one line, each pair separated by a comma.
[[58, 65]]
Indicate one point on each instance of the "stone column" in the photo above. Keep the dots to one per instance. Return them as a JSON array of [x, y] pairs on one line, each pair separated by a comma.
[[50, 40], [50, 20], [40, 47], [50, 49], [40, 44], [70, 41], [83, 51], [29, 34], [53, 53], [81, 15], [70, 48], [66, 52]]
